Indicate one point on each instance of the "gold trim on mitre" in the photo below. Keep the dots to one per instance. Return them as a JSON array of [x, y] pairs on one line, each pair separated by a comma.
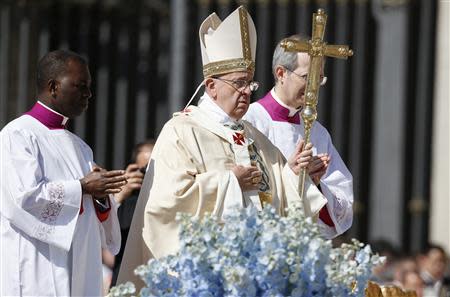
[[242, 61], [245, 39], [227, 66]]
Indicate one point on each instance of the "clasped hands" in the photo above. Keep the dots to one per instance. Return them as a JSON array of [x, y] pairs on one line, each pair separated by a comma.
[[315, 166], [100, 183], [249, 177]]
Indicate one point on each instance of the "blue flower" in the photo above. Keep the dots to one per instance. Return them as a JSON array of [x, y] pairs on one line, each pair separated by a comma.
[[256, 254]]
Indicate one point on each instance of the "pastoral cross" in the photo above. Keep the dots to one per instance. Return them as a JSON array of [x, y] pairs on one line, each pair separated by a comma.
[[316, 49]]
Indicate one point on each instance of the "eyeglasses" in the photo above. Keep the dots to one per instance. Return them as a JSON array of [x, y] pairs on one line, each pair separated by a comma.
[[323, 79], [240, 84]]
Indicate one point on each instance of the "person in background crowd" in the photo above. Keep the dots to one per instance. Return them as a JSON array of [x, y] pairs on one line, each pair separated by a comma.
[[413, 282], [406, 274], [384, 274], [129, 195], [433, 263]]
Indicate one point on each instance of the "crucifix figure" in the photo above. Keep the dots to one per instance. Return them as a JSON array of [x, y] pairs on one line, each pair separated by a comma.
[[317, 49]]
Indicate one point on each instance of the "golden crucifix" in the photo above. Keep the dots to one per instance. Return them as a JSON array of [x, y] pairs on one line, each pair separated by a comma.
[[316, 49]]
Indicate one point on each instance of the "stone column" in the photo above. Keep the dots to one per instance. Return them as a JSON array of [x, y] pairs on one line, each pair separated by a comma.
[[440, 177], [4, 70], [121, 89], [386, 194], [359, 113], [102, 93], [178, 49]]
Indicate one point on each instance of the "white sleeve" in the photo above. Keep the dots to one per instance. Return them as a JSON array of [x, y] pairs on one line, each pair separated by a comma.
[[229, 195], [44, 210], [337, 187], [313, 200]]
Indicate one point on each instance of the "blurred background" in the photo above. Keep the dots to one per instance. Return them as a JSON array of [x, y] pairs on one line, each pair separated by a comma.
[[386, 107]]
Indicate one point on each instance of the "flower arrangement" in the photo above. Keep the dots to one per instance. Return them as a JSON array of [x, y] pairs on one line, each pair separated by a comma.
[[256, 254]]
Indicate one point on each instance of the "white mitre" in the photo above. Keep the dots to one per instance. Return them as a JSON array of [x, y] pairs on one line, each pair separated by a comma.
[[228, 46]]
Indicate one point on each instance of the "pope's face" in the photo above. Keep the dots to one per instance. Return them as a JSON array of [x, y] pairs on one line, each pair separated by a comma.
[[233, 93]]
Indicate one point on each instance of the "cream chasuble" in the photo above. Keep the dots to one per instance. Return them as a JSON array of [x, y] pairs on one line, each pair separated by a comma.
[[190, 172]]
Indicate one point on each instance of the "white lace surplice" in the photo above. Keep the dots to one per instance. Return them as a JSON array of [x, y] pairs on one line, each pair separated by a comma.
[[47, 248]]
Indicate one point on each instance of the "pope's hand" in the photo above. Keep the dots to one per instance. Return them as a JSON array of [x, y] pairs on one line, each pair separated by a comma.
[[100, 183], [248, 177]]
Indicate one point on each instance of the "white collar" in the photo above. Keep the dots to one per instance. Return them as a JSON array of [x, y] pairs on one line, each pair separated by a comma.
[[292, 111], [207, 104]]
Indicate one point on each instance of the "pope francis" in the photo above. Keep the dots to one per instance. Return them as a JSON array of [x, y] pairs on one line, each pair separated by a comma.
[[207, 159]]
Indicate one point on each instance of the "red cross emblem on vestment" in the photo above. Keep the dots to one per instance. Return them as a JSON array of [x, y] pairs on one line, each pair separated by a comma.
[[238, 138]]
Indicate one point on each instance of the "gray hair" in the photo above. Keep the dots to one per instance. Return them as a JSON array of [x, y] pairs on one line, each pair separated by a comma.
[[286, 59]]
